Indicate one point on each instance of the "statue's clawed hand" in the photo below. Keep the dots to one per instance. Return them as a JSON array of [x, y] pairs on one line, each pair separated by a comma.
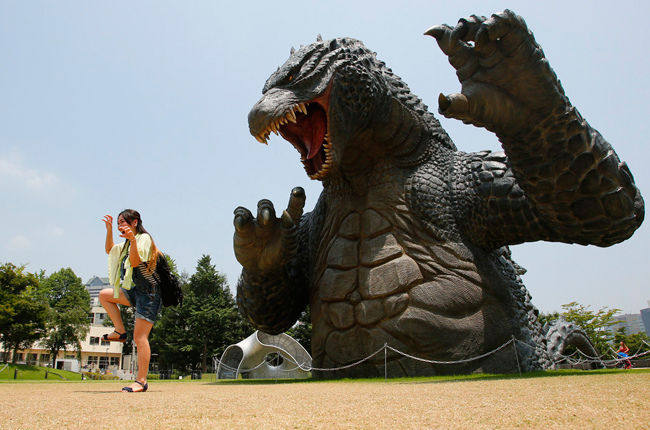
[[506, 80], [267, 242]]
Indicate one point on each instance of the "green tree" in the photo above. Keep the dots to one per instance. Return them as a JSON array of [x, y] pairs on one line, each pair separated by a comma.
[[638, 342], [595, 324], [70, 306], [207, 322], [23, 316], [301, 331], [165, 335]]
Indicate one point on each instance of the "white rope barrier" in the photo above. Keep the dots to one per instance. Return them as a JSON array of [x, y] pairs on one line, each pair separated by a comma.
[[384, 348], [232, 369], [451, 362], [601, 359], [569, 359]]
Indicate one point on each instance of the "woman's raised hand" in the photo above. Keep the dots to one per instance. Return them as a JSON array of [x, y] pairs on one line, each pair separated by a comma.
[[108, 220], [126, 232]]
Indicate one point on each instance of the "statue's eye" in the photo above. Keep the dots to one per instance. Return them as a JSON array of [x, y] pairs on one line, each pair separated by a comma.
[[290, 78]]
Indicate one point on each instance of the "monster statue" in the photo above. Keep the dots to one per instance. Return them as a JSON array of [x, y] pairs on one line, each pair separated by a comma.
[[408, 242]]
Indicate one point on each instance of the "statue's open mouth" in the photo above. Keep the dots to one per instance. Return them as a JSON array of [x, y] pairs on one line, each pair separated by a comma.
[[305, 126]]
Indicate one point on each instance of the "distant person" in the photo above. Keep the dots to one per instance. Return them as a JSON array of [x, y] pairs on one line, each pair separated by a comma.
[[131, 271], [623, 354]]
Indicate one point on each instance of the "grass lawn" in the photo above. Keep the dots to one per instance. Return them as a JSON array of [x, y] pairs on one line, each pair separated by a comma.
[[24, 372]]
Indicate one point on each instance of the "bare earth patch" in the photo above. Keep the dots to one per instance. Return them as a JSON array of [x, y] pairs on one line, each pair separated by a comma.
[[590, 401]]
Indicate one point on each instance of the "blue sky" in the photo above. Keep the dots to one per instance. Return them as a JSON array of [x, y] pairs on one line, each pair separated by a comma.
[[113, 105]]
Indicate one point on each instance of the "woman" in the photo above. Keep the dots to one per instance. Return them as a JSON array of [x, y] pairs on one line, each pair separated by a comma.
[[623, 355], [131, 271]]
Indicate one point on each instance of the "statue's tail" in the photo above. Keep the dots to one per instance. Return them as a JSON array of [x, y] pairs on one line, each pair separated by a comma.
[[563, 333]]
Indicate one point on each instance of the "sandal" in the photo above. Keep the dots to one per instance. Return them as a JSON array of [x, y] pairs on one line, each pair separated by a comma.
[[130, 390], [122, 337]]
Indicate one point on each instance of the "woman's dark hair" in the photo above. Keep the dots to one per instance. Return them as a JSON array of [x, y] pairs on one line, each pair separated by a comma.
[[129, 215]]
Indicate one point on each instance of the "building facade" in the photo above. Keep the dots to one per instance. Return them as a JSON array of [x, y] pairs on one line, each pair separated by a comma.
[[95, 285], [96, 354], [633, 323], [645, 317]]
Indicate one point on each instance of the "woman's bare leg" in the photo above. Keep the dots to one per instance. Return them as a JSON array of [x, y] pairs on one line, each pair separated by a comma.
[[141, 339], [110, 305]]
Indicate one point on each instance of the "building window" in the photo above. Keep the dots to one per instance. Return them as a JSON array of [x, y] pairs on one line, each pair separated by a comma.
[[103, 361], [94, 340], [98, 318], [92, 359]]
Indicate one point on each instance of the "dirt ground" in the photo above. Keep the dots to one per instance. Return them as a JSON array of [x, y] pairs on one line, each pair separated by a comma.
[[590, 401]]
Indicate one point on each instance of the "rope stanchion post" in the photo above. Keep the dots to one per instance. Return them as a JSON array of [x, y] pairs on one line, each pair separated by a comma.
[[514, 345], [385, 362]]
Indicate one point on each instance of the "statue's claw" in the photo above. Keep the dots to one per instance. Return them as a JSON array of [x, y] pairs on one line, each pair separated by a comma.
[[265, 213], [243, 219], [453, 104], [287, 222], [506, 81], [437, 31], [296, 204]]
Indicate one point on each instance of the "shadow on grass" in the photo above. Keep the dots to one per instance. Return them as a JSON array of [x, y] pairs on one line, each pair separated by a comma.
[[435, 379]]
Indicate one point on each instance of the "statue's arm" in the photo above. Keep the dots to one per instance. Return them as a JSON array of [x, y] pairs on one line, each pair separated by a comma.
[[489, 205], [575, 180], [272, 290], [568, 177]]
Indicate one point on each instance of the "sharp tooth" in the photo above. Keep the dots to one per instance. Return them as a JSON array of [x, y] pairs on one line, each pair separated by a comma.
[[261, 139], [291, 116], [302, 108]]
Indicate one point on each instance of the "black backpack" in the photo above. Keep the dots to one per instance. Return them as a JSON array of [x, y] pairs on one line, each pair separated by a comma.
[[170, 288]]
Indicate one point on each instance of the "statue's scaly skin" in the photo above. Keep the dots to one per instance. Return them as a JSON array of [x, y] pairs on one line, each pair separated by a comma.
[[407, 244]]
